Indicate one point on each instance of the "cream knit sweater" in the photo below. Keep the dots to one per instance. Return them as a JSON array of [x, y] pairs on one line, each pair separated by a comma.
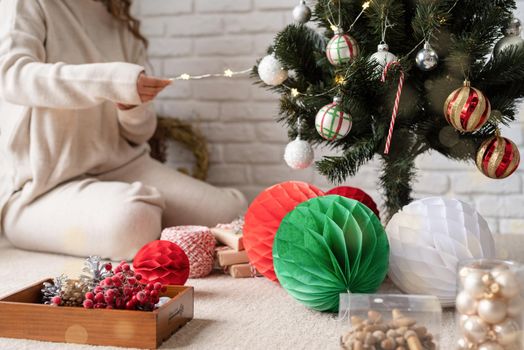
[[62, 69]]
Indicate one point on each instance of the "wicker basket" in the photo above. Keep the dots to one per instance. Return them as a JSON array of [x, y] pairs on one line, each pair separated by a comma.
[[184, 133]]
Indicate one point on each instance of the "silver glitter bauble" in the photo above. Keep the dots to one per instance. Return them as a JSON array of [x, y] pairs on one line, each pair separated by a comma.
[[271, 72], [299, 154], [512, 38], [427, 58], [507, 42], [514, 27], [302, 13], [382, 57]]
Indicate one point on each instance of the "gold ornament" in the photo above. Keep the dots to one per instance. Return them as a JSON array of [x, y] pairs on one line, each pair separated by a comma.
[[498, 157], [467, 109], [494, 288], [486, 279], [491, 335], [488, 295]]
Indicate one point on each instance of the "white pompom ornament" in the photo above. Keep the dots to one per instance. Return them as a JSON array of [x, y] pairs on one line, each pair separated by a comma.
[[428, 238], [271, 72], [299, 154]]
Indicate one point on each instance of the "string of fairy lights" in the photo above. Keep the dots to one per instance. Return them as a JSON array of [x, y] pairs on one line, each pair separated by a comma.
[[228, 73], [294, 92]]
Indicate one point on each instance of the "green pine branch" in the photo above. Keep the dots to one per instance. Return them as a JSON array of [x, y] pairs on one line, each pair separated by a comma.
[[463, 32]]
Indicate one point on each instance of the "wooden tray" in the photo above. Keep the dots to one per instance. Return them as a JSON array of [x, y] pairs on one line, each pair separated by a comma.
[[22, 316]]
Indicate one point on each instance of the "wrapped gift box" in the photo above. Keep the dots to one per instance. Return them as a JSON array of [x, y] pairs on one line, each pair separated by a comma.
[[228, 257], [242, 271], [230, 237]]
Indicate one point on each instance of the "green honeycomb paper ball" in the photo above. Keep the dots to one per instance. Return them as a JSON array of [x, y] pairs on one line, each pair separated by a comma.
[[330, 245]]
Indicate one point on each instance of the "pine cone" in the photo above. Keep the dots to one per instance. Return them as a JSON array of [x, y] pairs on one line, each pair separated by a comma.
[[53, 289], [73, 292], [94, 272]]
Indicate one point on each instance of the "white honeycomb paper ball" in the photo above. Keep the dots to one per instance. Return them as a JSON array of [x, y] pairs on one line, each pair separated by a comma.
[[428, 238]]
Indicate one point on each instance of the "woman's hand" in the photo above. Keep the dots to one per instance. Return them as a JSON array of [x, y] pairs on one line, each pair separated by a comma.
[[148, 88]]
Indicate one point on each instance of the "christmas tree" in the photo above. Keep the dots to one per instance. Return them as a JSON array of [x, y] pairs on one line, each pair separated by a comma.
[[457, 88]]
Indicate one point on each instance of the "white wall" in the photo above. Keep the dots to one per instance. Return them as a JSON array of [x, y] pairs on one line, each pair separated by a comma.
[[202, 36]]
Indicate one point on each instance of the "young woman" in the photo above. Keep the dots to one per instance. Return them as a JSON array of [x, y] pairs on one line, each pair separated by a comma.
[[75, 114]]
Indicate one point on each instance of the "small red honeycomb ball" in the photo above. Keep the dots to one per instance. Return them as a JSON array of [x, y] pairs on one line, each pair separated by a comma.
[[162, 261], [358, 195]]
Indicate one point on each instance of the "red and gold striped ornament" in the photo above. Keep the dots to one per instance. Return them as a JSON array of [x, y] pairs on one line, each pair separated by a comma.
[[498, 157], [342, 48], [467, 109], [331, 122]]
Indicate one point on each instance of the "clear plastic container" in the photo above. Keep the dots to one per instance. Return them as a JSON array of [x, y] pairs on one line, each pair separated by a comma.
[[389, 322], [490, 305]]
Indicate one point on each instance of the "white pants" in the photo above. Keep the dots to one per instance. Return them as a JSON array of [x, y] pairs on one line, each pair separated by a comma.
[[114, 214]]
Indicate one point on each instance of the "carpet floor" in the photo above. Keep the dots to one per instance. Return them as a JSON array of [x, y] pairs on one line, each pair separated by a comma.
[[251, 313]]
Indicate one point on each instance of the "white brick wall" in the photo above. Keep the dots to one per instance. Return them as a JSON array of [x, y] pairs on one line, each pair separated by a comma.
[[202, 36]]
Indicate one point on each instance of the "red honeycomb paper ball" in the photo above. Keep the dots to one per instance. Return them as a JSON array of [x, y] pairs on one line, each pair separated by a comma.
[[162, 261], [356, 194], [263, 218]]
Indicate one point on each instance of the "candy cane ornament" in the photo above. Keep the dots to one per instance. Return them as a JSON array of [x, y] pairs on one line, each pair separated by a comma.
[[397, 100]]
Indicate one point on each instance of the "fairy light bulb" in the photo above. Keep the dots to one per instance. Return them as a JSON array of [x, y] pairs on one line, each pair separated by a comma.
[[340, 80]]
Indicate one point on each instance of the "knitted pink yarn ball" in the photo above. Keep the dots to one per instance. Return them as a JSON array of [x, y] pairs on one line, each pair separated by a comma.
[[199, 245]]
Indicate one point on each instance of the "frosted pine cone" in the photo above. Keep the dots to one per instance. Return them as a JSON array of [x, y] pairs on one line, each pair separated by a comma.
[[53, 289]]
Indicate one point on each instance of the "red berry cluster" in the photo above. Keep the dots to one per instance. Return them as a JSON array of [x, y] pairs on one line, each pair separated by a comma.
[[123, 290]]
